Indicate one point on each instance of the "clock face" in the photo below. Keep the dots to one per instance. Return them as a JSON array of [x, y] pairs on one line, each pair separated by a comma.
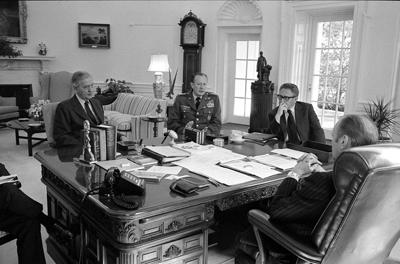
[[190, 33]]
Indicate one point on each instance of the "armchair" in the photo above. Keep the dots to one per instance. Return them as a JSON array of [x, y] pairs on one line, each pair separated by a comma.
[[54, 86], [49, 111], [361, 223], [8, 108]]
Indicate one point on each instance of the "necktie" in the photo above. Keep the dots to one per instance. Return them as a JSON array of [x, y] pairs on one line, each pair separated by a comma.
[[292, 130], [282, 121], [92, 117], [197, 102]]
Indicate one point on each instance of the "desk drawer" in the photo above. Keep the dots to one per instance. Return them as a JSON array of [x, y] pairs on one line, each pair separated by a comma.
[[171, 222], [185, 250]]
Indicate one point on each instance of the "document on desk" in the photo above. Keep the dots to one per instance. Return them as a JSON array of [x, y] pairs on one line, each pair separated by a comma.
[[291, 153], [250, 167], [165, 169], [222, 175], [276, 161]]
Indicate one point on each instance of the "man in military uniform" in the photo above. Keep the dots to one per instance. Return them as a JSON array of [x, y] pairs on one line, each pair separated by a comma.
[[197, 109]]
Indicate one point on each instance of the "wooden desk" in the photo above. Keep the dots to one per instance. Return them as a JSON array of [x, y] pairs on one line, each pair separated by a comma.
[[167, 228]]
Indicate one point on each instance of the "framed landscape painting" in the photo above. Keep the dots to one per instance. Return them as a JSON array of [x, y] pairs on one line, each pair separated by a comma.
[[94, 35]]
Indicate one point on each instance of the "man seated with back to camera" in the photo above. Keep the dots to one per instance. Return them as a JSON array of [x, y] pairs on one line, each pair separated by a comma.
[[197, 109], [294, 121], [299, 202], [21, 216], [70, 113]]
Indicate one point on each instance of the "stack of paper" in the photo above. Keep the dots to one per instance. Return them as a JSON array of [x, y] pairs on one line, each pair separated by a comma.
[[291, 153]]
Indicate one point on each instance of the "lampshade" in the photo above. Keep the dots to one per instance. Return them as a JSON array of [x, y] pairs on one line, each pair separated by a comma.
[[159, 63]]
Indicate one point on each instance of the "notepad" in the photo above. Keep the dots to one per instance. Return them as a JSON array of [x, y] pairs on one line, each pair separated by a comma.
[[283, 163], [291, 153], [122, 164]]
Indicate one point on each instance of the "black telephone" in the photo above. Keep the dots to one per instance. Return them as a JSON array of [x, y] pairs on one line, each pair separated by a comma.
[[124, 188]]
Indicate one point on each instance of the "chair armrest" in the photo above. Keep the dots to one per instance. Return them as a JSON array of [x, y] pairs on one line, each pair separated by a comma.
[[260, 220]]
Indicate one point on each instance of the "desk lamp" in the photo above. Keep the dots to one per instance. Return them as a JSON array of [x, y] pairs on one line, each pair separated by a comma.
[[158, 65]]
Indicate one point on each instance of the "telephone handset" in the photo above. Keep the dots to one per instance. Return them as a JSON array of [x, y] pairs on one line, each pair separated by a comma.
[[121, 186]]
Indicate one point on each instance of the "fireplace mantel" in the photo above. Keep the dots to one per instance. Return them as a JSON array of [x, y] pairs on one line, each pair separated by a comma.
[[39, 63]]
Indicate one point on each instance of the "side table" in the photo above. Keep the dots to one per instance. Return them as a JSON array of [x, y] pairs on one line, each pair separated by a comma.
[[31, 127], [155, 120]]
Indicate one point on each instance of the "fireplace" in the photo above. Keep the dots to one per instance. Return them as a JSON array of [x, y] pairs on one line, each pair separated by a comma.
[[22, 93]]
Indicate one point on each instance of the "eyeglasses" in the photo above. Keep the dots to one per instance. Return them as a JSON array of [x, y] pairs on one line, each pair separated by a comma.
[[281, 97]]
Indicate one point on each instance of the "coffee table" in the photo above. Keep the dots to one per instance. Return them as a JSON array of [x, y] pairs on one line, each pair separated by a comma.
[[31, 127]]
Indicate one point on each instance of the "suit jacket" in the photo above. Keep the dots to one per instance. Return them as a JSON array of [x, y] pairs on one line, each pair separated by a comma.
[[297, 206], [207, 115], [68, 120], [307, 123]]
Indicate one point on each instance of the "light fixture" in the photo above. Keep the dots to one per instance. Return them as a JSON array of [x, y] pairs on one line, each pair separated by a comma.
[[158, 65]]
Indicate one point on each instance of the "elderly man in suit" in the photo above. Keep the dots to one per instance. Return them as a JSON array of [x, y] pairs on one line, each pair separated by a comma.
[[70, 114], [294, 121], [304, 194]]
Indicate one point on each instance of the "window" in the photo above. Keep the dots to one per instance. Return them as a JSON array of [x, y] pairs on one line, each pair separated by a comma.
[[247, 53], [330, 70]]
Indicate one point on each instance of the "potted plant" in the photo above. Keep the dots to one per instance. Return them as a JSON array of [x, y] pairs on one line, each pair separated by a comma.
[[384, 116], [7, 50]]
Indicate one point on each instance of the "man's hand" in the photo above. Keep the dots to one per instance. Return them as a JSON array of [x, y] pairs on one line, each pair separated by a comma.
[[306, 164], [282, 107]]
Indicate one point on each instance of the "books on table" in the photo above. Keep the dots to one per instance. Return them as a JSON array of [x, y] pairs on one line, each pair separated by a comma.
[[165, 154], [259, 138]]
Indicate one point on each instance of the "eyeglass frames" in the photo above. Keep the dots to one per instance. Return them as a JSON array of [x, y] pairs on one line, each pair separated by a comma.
[[281, 97]]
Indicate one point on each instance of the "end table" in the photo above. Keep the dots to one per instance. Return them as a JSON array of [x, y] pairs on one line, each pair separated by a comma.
[[155, 120]]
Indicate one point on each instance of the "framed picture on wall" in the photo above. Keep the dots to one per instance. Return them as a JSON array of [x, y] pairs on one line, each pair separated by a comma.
[[13, 21], [94, 35]]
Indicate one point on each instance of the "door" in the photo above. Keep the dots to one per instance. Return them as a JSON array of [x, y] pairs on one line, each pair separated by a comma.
[[243, 52]]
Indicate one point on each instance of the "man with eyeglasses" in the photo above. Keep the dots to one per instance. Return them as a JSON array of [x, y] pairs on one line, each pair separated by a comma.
[[70, 114], [293, 121]]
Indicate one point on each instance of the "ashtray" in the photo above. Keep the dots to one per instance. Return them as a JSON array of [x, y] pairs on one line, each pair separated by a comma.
[[127, 145], [35, 125], [238, 140]]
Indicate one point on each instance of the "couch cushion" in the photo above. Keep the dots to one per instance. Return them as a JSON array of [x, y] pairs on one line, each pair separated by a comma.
[[121, 121], [8, 109], [134, 104]]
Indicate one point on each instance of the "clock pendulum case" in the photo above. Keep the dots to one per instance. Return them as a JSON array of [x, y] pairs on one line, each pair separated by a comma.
[[192, 41]]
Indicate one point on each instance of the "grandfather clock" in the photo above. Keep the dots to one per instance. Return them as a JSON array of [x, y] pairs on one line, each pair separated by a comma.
[[192, 41]]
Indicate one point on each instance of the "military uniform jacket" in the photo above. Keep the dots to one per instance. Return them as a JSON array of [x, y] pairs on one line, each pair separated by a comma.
[[207, 115]]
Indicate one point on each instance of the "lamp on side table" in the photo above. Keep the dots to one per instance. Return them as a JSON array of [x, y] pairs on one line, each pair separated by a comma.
[[158, 65]]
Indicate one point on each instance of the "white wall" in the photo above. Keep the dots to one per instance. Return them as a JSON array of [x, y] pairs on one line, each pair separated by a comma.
[[142, 28]]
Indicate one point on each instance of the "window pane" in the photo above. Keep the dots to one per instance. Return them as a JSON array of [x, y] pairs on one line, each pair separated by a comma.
[[343, 89], [322, 35], [332, 89], [240, 88], [238, 107], [253, 50], [345, 61], [348, 28], [248, 88], [251, 69], [334, 62], [240, 69], [321, 90], [336, 34], [247, 109], [324, 62], [241, 49]]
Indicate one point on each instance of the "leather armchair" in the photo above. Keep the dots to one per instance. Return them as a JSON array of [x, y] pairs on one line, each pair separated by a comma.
[[361, 223]]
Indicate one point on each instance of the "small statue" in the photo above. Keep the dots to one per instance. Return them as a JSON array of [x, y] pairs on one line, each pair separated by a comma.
[[87, 154], [263, 69], [42, 49]]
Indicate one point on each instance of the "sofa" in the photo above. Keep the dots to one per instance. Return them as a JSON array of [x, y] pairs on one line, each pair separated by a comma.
[[8, 108], [127, 112]]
